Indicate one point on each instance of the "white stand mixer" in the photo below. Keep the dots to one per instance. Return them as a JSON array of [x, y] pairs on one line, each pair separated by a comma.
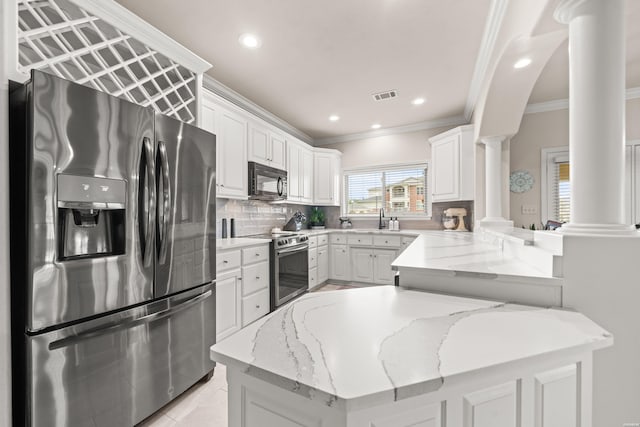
[[454, 219]]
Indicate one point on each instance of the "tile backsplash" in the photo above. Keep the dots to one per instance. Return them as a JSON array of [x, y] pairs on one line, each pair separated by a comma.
[[257, 217]]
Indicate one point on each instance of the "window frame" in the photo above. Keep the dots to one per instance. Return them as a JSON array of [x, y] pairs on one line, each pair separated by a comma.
[[381, 169], [548, 158]]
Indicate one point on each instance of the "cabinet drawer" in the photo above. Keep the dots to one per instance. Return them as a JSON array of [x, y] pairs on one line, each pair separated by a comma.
[[360, 239], [255, 277], [389, 241], [313, 278], [338, 239], [255, 254], [255, 306], [227, 260], [313, 258], [313, 242], [323, 239]]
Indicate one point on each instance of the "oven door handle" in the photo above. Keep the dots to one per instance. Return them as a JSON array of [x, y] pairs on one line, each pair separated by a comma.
[[298, 248]]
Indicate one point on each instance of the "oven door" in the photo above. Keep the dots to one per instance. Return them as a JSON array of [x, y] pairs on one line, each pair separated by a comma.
[[291, 274]]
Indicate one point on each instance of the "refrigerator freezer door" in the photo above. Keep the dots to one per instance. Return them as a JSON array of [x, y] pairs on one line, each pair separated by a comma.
[[119, 369], [75, 131], [185, 166]]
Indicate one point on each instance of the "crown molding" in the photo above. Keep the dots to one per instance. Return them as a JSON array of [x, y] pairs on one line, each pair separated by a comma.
[[542, 107], [497, 10], [131, 24], [563, 104], [429, 124], [246, 104], [565, 11]]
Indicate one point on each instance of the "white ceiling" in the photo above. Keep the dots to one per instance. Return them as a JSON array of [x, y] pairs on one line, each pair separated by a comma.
[[328, 57], [553, 83]]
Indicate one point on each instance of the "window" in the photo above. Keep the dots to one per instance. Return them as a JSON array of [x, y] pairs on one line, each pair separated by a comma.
[[400, 190], [556, 187]]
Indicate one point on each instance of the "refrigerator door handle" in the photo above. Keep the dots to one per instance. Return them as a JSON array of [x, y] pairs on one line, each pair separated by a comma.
[[166, 201], [147, 216], [129, 323]]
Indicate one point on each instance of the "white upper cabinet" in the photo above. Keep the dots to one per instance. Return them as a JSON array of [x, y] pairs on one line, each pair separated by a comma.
[[278, 151], [299, 171], [259, 144], [266, 147], [326, 183], [452, 165], [230, 128]]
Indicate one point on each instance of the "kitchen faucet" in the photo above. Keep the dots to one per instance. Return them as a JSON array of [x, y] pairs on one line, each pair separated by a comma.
[[380, 222]]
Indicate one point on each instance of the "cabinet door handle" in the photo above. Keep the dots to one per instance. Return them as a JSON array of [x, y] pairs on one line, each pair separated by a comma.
[[224, 261], [257, 254], [257, 305], [257, 277]]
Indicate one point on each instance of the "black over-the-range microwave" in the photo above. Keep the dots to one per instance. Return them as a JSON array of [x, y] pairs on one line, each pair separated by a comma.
[[267, 183]]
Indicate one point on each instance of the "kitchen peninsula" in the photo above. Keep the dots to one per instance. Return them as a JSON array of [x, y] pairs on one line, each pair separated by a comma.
[[387, 356]]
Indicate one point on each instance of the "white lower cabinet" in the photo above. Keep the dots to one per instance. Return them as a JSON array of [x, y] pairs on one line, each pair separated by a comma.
[[323, 264], [242, 287], [372, 265], [255, 306], [556, 397], [492, 407], [313, 277], [318, 260], [362, 265], [528, 394], [228, 297], [339, 262], [382, 272]]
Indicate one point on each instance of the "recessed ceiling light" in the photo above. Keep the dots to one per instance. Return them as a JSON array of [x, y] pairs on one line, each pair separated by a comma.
[[521, 63], [250, 41], [418, 101], [334, 118], [375, 126]]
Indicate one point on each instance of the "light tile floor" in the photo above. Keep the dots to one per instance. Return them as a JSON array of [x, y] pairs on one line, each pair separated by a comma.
[[205, 404]]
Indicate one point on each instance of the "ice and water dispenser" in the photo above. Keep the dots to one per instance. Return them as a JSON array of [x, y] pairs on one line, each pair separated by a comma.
[[91, 217]]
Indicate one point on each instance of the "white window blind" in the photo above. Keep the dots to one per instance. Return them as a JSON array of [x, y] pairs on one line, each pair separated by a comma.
[[560, 189], [400, 190]]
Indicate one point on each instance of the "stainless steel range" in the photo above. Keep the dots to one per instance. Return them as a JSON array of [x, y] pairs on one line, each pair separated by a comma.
[[289, 267]]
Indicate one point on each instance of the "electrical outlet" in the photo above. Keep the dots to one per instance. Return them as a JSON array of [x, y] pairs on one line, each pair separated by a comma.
[[529, 209]]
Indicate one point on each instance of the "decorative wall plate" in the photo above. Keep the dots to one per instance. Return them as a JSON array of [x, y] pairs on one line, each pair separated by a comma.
[[520, 181]]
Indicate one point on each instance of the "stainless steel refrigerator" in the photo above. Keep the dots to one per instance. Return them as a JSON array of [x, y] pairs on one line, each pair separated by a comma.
[[112, 256]]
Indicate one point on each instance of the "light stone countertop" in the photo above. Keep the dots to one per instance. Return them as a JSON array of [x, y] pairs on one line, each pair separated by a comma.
[[440, 251], [379, 344], [239, 242]]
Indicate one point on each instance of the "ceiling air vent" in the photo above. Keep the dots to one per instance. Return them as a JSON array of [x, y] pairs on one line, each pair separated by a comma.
[[383, 96]]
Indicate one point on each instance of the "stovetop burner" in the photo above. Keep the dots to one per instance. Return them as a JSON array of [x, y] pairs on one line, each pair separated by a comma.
[[284, 239]]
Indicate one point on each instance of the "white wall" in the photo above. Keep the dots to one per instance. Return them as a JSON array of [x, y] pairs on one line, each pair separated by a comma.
[[543, 130], [384, 150], [601, 276]]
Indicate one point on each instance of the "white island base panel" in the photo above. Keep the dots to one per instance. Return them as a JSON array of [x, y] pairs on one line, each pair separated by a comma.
[[389, 357], [554, 397]]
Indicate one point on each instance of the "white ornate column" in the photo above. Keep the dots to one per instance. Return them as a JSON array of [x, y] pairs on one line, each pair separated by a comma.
[[493, 183], [596, 115]]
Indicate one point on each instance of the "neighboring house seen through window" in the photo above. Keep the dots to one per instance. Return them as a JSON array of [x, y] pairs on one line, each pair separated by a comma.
[[400, 190]]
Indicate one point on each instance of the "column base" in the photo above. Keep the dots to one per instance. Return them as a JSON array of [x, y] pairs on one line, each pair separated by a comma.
[[599, 230], [495, 223]]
